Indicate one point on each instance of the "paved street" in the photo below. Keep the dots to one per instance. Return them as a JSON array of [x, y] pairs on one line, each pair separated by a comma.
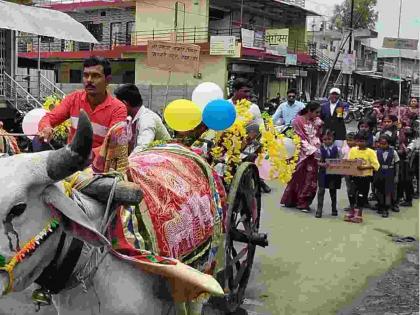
[[323, 266], [319, 266]]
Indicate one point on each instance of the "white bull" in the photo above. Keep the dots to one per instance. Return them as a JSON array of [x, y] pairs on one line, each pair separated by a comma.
[[28, 183]]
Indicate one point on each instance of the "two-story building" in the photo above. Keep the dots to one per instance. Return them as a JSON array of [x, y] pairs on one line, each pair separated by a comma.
[[124, 27], [110, 22], [388, 68], [327, 43]]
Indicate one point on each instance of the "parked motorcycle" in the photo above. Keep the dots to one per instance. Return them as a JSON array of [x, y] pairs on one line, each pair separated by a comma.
[[358, 111]]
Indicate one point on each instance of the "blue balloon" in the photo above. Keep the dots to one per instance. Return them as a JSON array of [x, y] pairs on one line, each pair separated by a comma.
[[219, 114]]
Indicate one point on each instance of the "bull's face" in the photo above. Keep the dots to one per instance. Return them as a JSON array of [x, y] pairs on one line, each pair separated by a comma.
[[29, 200]]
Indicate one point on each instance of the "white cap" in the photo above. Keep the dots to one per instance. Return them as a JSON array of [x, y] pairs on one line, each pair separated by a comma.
[[335, 90]]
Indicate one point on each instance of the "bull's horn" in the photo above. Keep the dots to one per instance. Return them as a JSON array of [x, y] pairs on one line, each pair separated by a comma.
[[74, 157]]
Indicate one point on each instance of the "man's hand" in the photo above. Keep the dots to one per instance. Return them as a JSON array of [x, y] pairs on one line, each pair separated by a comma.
[[46, 134], [322, 164]]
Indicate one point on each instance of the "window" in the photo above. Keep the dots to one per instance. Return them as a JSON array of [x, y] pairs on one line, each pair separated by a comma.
[[115, 33], [47, 39], [128, 77], [95, 29], [75, 76], [129, 29]]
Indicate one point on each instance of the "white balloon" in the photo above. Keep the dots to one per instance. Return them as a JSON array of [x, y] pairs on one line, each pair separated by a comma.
[[205, 93], [31, 120], [290, 147]]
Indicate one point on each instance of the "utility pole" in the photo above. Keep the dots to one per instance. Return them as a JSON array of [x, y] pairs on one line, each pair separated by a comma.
[[399, 67], [350, 46]]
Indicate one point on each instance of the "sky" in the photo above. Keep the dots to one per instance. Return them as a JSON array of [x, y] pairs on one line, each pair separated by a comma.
[[387, 25]]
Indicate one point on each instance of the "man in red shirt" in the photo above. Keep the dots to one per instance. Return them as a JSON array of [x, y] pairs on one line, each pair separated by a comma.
[[102, 108]]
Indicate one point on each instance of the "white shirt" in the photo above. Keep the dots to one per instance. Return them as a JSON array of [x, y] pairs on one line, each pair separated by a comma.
[[332, 108], [149, 127], [255, 112]]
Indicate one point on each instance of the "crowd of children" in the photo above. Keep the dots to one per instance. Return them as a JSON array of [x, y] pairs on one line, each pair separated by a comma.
[[388, 159]]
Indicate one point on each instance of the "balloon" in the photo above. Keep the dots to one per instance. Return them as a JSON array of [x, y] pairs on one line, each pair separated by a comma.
[[219, 114], [182, 115], [31, 120], [290, 147], [205, 93]]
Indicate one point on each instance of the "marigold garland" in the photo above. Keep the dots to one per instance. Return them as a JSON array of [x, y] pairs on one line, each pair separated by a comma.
[[275, 150], [228, 145], [61, 131]]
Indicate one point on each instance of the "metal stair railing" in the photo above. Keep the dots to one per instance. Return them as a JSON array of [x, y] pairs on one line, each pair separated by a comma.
[[22, 100], [51, 87]]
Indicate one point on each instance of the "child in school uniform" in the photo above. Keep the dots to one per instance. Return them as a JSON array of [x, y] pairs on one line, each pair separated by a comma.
[[390, 128], [360, 184], [365, 126], [331, 182], [350, 143], [387, 176]]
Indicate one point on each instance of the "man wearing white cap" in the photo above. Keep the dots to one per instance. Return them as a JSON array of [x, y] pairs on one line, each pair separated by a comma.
[[332, 113]]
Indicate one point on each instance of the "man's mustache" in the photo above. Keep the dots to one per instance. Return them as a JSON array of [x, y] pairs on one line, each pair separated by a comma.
[[89, 86]]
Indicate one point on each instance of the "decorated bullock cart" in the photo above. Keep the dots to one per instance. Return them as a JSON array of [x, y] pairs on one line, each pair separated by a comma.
[[183, 215]]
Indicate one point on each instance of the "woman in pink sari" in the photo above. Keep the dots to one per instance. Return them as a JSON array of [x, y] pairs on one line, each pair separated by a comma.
[[301, 190]]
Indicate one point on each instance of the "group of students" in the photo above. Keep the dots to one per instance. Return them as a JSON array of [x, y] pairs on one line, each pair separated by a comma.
[[387, 163]]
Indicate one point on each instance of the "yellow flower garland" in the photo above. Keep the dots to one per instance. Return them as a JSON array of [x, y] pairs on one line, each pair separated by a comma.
[[62, 130], [276, 152], [229, 144], [230, 141]]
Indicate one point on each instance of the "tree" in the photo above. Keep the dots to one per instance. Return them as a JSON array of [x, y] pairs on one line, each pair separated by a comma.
[[364, 16]]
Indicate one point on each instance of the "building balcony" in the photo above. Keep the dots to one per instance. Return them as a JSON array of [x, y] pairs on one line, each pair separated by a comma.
[[75, 5], [119, 43]]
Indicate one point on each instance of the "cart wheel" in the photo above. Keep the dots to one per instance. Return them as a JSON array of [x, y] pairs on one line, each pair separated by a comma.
[[243, 219]]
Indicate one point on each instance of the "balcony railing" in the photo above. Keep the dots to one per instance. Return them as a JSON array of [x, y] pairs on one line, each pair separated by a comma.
[[29, 43]]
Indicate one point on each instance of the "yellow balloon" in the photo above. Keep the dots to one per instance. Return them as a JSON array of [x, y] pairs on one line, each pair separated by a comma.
[[182, 115]]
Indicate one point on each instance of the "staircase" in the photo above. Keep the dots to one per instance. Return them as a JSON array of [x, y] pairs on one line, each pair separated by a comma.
[[17, 96], [39, 86], [324, 62]]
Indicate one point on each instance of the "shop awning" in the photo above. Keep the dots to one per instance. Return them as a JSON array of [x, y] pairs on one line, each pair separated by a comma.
[[43, 22]]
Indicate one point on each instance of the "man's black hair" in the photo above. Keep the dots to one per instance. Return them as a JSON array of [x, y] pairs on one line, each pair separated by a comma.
[[292, 91], [240, 83], [130, 94], [395, 98], [98, 61]]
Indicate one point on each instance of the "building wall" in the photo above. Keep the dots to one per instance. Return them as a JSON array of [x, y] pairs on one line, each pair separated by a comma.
[[160, 15], [212, 69], [119, 69]]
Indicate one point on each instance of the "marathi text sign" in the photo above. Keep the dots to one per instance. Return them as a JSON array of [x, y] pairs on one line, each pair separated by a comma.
[[173, 56], [400, 43], [222, 46], [345, 167], [277, 37]]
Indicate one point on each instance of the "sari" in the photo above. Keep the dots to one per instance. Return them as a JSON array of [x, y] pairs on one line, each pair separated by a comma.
[[301, 190]]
